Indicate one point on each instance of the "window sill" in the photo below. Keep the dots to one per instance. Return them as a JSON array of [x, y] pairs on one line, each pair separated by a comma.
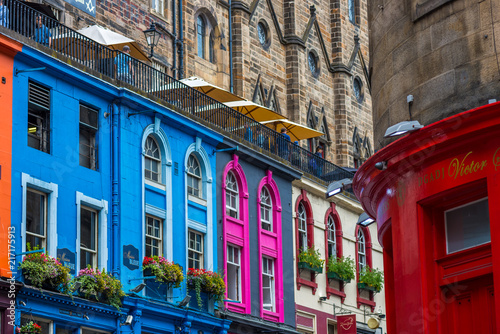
[[311, 284], [157, 15], [367, 302], [156, 185], [236, 307], [269, 233], [271, 316], [334, 292], [197, 200]]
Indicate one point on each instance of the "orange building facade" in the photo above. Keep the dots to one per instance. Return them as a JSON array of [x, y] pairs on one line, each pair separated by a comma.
[[8, 49]]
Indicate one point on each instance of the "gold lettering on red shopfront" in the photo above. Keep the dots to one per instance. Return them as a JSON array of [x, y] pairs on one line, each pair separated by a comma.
[[461, 168], [496, 159]]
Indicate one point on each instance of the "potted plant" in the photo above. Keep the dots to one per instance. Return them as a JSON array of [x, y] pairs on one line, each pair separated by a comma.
[[100, 286], [30, 328], [310, 259], [207, 281], [44, 271], [371, 279], [164, 270], [341, 268]]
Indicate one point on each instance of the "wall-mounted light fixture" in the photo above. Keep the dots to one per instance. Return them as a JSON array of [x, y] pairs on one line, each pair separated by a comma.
[[152, 37], [402, 128], [365, 220], [138, 288], [336, 187], [185, 301]]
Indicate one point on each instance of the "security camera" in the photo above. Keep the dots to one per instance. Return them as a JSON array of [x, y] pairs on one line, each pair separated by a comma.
[[128, 321]]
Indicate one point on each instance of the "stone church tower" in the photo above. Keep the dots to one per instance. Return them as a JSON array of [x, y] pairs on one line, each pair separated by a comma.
[[307, 60]]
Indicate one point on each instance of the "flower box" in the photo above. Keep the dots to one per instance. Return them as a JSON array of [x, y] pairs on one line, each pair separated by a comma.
[[206, 281], [206, 304], [333, 275], [305, 265], [154, 288], [365, 286], [44, 272]]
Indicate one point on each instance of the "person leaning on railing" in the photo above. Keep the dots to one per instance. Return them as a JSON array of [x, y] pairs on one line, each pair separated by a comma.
[[123, 66], [42, 33], [4, 15]]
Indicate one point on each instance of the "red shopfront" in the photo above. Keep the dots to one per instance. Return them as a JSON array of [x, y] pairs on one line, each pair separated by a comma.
[[437, 207]]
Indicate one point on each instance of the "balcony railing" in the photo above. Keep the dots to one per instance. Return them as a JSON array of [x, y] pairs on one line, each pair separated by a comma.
[[130, 71]]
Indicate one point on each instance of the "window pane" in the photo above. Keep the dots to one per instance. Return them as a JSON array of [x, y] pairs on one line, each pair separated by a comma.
[[201, 36], [233, 273], [44, 323], [35, 213], [467, 226], [87, 229]]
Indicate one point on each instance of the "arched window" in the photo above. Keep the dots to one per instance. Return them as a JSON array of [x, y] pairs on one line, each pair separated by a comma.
[[152, 160], [235, 237], [201, 28], [361, 250], [302, 228], [211, 47], [194, 177], [266, 210], [331, 238], [232, 196]]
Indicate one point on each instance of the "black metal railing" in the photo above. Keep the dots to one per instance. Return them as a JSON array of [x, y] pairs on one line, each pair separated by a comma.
[[128, 70]]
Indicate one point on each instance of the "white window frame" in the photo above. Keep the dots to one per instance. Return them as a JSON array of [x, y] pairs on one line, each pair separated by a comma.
[[269, 273], [232, 194], [101, 206], [200, 252], [193, 176], [266, 207], [95, 236], [332, 241], [153, 159], [43, 219], [159, 239], [302, 219], [236, 252], [361, 250], [51, 191]]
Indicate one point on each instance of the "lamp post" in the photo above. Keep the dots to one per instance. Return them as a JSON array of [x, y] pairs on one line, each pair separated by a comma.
[[152, 37]]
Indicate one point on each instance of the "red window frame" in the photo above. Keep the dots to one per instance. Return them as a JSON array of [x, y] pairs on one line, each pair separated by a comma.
[[332, 212], [369, 263], [302, 199]]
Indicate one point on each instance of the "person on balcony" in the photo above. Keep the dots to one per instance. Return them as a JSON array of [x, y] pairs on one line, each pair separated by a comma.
[[4, 15], [123, 66], [42, 33], [283, 144]]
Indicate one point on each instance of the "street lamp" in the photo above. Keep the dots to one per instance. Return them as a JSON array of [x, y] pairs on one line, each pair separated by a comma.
[[152, 37]]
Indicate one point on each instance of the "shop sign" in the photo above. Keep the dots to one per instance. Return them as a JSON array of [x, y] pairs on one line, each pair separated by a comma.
[[88, 6], [346, 324], [130, 257], [67, 259]]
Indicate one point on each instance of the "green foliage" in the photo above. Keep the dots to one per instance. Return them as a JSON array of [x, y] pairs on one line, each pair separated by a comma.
[[165, 271], [312, 257], [372, 277], [31, 327], [43, 270], [206, 281], [344, 267], [95, 282]]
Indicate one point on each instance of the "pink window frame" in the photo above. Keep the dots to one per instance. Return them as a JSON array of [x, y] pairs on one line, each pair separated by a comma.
[[332, 212], [310, 239], [270, 245], [235, 232], [369, 262]]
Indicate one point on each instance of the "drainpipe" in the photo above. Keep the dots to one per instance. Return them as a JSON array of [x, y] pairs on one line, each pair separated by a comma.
[[230, 49], [181, 43], [115, 201], [174, 42]]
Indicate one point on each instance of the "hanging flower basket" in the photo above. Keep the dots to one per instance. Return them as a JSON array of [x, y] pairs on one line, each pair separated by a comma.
[[201, 280], [31, 328], [164, 270], [99, 286]]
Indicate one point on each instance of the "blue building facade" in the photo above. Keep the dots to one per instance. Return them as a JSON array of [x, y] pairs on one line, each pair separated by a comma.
[[102, 177]]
